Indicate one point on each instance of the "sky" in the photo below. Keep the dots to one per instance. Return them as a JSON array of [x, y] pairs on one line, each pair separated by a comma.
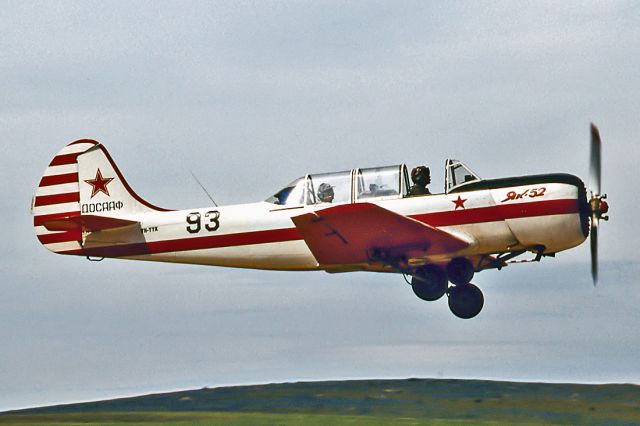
[[251, 95]]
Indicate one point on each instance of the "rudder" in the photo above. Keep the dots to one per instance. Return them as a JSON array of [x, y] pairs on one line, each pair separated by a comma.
[[82, 190]]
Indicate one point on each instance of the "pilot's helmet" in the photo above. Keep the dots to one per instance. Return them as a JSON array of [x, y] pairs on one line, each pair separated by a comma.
[[325, 193], [421, 175]]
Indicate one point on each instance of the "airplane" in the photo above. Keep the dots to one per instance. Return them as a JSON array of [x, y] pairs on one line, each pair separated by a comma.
[[364, 219]]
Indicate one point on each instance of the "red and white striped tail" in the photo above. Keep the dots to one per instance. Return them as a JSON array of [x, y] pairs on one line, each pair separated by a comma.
[[82, 191]]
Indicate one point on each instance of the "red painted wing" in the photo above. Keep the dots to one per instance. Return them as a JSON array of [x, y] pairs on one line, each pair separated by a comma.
[[365, 232]]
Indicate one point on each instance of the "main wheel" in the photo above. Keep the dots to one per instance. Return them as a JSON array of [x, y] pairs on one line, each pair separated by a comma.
[[460, 271], [429, 282], [465, 301]]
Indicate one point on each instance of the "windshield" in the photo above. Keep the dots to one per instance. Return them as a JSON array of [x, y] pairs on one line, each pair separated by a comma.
[[457, 174], [330, 188], [290, 195], [379, 182]]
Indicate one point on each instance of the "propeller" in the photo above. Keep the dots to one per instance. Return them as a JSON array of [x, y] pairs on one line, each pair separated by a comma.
[[599, 207]]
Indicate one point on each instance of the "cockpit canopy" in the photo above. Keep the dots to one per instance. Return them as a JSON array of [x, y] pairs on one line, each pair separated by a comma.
[[375, 183]]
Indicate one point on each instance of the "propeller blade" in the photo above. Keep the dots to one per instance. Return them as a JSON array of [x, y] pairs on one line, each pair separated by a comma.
[[594, 169], [594, 249]]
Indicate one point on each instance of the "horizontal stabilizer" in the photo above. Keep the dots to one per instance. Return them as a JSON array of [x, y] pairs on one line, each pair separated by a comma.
[[365, 232], [91, 223]]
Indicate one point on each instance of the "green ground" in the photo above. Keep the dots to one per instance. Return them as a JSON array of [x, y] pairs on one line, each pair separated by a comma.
[[360, 402], [240, 419]]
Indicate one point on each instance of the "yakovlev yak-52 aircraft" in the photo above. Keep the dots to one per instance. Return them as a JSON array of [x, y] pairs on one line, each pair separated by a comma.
[[355, 220]]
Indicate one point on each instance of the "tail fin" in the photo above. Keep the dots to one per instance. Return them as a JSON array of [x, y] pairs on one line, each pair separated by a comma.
[[81, 191]]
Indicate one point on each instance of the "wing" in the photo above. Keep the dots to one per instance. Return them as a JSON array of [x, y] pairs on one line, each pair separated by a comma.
[[365, 232]]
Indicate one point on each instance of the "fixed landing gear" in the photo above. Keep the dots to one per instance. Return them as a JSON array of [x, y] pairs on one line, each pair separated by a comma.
[[460, 271], [431, 282], [465, 301]]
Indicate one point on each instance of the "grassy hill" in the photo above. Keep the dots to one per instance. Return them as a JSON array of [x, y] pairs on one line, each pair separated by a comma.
[[412, 401]]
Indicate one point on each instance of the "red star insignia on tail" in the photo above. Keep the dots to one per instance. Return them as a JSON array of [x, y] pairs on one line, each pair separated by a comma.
[[99, 184], [459, 202]]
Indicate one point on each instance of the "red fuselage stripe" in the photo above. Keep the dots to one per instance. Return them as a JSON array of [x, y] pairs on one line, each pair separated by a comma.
[[59, 179], [46, 200], [216, 241], [450, 218], [500, 212]]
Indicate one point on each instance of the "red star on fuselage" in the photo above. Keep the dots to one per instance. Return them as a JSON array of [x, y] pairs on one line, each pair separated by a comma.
[[99, 184], [459, 202]]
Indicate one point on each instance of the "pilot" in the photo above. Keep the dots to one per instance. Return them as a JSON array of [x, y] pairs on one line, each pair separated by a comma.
[[325, 193], [421, 177]]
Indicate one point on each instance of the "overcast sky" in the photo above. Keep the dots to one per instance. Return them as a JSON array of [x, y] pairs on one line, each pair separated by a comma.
[[250, 95]]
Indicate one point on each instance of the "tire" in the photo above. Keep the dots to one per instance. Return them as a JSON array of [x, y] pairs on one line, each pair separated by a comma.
[[460, 271], [429, 283], [465, 301]]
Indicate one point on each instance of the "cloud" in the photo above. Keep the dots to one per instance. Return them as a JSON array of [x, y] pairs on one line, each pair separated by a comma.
[[251, 95]]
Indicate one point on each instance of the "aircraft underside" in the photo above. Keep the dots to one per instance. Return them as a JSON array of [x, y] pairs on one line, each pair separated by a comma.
[[432, 277]]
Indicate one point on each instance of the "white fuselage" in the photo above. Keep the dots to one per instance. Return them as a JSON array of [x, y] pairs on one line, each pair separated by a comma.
[[262, 235]]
